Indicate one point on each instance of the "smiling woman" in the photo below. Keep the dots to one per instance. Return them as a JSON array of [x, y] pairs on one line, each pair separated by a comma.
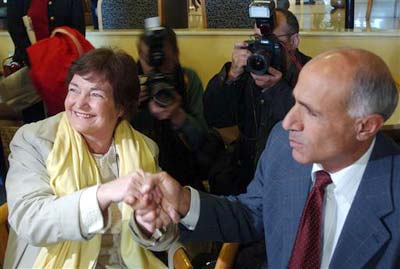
[[75, 212], [99, 95]]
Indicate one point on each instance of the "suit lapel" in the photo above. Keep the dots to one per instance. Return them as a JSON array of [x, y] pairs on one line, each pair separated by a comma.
[[364, 233], [294, 199]]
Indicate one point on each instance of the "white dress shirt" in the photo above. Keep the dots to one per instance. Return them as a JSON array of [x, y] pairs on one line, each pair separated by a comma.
[[337, 202]]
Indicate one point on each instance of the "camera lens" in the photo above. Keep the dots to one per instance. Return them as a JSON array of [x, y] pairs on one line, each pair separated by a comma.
[[258, 64], [161, 91]]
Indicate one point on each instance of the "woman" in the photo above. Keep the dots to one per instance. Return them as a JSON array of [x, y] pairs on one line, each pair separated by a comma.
[[69, 174]]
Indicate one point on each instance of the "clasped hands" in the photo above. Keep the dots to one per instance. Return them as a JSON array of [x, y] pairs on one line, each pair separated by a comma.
[[157, 199]]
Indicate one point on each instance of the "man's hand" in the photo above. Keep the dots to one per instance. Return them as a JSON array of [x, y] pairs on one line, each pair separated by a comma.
[[153, 216], [239, 60], [173, 198], [268, 80], [174, 112], [143, 94]]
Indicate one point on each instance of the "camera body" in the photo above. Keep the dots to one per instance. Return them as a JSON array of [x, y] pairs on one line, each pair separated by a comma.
[[161, 88], [267, 50]]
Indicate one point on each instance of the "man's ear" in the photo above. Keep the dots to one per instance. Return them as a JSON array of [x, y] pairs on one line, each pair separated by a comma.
[[368, 126], [294, 41]]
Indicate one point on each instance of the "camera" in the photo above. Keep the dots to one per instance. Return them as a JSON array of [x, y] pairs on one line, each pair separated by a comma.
[[160, 86], [267, 50]]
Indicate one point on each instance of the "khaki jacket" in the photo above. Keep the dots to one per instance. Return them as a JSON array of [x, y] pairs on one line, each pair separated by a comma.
[[36, 216]]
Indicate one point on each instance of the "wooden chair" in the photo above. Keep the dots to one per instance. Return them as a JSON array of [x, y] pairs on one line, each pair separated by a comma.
[[226, 14], [3, 232], [181, 259], [369, 9], [227, 256]]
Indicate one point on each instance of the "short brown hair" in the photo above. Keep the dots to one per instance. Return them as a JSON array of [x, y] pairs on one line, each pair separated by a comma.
[[117, 68], [291, 20]]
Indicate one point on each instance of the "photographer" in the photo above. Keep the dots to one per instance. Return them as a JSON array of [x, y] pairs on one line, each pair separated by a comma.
[[178, 127], [251, 103]]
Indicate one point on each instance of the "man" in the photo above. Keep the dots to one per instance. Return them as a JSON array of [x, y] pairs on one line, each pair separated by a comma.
[[251, 104], [178, 127], [342, 98]]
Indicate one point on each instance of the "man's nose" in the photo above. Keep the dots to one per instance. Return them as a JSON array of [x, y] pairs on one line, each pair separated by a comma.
[[292, 119]]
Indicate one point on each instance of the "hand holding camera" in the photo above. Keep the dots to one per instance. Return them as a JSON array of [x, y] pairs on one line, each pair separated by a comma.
[[174, 112], [266, 50], [239, 60], [267, 80]]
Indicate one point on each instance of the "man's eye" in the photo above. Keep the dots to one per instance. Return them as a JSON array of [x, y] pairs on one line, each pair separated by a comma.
[[312, 113]]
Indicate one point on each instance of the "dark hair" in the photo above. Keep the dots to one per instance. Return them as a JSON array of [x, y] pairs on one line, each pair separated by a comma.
[[170, 38], [117, 68], [291, 20]]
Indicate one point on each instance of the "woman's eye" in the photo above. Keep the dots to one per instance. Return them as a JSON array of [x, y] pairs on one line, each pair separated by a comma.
[[97, 95]]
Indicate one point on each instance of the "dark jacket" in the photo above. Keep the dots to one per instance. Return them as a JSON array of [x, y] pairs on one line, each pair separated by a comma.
[[60, 13], [254, 110], [292, 71], [178, 146]]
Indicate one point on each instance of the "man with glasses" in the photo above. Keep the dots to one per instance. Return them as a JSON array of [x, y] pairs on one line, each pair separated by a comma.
[[287, 31], [250, 105]]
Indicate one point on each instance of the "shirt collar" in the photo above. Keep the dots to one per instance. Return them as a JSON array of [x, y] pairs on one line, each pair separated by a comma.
[[347, 180]]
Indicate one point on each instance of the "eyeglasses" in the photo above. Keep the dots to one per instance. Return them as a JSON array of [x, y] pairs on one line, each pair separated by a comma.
[[258, 37], [289, 34]]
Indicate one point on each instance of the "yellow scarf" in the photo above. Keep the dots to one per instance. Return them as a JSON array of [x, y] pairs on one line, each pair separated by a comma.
[[71, 167]]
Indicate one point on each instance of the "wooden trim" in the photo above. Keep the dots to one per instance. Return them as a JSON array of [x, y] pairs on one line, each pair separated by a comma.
[[203, 13], [369, 8], [160, 12], [100, 14]]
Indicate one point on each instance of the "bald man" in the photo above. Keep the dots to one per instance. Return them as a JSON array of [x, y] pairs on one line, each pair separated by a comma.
[[326, 193]]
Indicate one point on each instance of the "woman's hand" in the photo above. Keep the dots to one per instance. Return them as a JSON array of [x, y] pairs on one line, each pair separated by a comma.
[[152, 216], [125, 189]]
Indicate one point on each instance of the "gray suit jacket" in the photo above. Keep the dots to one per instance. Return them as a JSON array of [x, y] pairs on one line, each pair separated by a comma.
[[277, 195]]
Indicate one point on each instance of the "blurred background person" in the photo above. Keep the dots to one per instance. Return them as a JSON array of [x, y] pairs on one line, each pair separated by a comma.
[[170, 106], [70, 173], [249, 104], [45, 15]]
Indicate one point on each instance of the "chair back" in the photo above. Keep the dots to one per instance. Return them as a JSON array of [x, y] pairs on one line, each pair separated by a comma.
[[227, 256], [125, 14], [7, 131], [3, 232], [226, 14], [178, 258]]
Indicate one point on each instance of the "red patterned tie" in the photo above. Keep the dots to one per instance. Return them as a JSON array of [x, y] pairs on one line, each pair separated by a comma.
[[307, 248]]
